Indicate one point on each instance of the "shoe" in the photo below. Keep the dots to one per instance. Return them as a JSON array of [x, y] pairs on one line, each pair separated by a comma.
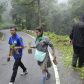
[[48, 76], [11, 83], [24, 73]]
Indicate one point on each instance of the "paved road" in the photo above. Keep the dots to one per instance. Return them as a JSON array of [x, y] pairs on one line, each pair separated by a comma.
[[34, 75]]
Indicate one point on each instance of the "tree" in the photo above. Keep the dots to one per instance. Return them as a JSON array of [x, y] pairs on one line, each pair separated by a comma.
[[57, 18], [2, 9]]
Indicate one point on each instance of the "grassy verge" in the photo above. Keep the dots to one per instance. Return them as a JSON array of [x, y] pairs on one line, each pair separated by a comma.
[[62, 43]]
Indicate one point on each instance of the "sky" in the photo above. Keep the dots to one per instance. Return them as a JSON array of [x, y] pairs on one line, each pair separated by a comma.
[[62, 1]]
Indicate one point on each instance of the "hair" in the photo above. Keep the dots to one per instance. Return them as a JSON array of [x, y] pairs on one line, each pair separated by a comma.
[[40, 29], [13, 27]]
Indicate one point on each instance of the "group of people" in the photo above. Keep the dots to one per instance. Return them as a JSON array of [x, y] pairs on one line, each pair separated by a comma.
[[77, 39], [41, 54]]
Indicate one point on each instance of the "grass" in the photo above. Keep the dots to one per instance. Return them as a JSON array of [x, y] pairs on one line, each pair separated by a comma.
[[63, 44]]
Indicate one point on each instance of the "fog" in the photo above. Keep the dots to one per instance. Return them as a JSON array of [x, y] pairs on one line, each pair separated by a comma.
[[6, 14], [63, 1]]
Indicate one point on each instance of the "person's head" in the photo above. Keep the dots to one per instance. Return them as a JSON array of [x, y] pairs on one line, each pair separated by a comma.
[[39, 31], [13, 30]]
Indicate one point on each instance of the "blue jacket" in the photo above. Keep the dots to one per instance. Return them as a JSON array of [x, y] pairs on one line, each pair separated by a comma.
[[17, 41]]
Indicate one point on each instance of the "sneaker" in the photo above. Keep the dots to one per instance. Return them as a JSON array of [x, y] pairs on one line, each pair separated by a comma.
[[48, 76], [11, 83], [24, 73]]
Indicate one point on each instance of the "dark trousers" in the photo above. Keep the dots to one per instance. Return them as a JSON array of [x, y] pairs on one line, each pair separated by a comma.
[[78, 55], [15, 68]]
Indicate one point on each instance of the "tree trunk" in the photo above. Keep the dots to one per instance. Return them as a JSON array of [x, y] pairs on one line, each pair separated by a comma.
[[39, 13]]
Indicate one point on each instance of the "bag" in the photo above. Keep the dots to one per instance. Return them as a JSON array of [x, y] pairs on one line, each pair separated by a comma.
[[39, 55]]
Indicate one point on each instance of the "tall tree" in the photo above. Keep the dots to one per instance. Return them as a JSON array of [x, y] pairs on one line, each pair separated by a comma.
[[2, 9]]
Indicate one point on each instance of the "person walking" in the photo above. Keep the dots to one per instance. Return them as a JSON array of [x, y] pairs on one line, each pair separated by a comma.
[[77, 39], [42, 55], [16, 48]]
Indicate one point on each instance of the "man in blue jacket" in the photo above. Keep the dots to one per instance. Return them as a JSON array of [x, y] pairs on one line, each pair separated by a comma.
[[16, 48]]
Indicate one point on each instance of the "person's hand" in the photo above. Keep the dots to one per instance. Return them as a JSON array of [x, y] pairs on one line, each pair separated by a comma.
[[8, 59], [55, 61], [71, 41]]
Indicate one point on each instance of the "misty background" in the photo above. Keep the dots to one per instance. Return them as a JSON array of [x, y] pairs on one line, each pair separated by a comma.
[[54, 15]]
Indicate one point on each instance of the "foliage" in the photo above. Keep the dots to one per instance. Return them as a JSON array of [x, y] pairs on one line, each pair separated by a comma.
[[52, 15], [2, 9]]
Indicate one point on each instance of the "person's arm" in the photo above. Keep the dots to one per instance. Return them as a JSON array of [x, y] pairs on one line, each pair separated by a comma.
[[48, 42], [20, 47], [10, 50], [53, 52], [9, 55], [33, 47], [53, 49], [71, 36]]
